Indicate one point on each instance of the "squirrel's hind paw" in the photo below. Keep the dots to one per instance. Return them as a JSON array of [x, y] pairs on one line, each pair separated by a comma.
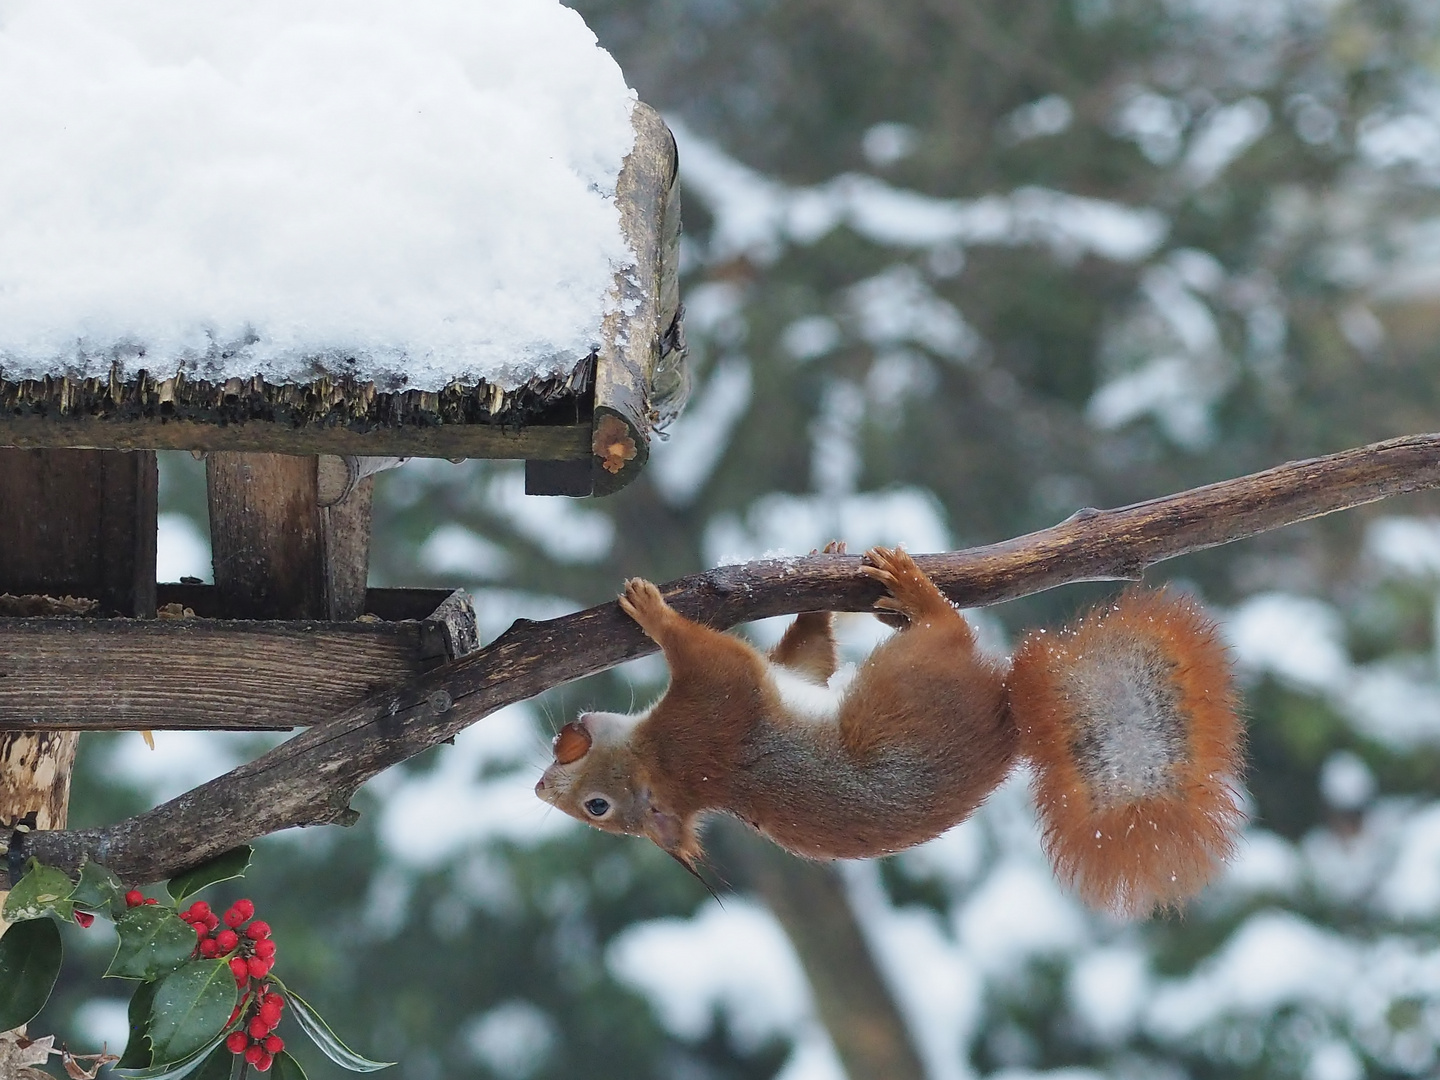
[[912, 593]]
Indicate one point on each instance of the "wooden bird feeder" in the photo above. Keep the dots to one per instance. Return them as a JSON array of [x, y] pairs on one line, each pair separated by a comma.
[[289, 633]]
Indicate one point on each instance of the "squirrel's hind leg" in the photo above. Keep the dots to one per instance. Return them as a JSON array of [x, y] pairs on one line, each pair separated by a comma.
[[808, 647]]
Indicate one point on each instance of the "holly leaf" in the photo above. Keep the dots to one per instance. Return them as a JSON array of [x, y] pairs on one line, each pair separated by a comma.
[[42, 890], [174, 1071], [137, 1050], [30, 954], [328, 1042], [224, 867], [153, 940], [191, 1009], [98, 889], [217, 1066], [287, 1068]]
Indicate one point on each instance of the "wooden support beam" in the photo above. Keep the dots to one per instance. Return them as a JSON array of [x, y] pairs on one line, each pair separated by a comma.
[[543, 441], [80, 523], [278, 552], [265, 535], [211, 674]]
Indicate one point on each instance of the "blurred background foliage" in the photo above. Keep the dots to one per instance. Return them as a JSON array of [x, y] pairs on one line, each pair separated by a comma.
[[954, 269]]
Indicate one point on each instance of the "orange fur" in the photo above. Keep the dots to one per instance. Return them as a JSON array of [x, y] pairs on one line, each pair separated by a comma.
[[1133, 823]]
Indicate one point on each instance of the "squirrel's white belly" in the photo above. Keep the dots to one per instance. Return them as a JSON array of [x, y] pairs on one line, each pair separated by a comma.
[[805, 700]]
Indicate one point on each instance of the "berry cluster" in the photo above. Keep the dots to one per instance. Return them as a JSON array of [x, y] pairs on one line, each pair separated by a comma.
[[253, 1041], [135, 898], [254, 956], [253, 948]]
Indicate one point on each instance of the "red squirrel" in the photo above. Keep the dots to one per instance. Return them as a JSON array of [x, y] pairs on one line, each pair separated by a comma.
[[921, 735]]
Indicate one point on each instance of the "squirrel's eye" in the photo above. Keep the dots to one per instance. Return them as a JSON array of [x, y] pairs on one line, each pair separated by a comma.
[[597, 807]]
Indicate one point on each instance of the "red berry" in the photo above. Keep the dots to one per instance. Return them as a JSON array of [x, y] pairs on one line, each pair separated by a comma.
[[274, 1044], [271, 1015], [211, 920], [257, 930], [84, 918], [209, 949], [240, 968], [134, 898], [200, 931], [245, 908], [151, 900], [233, 919], [265, 949], [236, 1042], [263, 1063], [273, 1000], [227, 940], [260, 968], [253, 1052], [198, 909], [258, 1029]]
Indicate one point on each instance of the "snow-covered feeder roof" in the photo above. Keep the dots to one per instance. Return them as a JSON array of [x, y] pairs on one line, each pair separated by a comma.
[[331, 226]]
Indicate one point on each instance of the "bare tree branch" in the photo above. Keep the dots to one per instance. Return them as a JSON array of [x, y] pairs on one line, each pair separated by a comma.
[[310, 779]]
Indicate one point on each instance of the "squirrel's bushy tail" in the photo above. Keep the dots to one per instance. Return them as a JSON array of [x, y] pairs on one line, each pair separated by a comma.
[[1128, 718]]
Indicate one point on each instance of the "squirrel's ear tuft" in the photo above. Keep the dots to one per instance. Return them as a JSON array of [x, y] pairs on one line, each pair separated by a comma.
[[1129, 721], [572, 743]]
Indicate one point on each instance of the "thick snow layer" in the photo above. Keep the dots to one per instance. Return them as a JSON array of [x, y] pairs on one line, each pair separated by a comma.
[[426, 187]]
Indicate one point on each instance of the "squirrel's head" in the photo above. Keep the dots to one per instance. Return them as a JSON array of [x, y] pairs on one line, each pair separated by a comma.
[[597, 778]]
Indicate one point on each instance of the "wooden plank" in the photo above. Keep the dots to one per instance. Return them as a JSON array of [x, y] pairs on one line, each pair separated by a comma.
[[204, 674], [345, 534], [456, 619], [631, 338], [570, 440], [266, 535], [80, 523]]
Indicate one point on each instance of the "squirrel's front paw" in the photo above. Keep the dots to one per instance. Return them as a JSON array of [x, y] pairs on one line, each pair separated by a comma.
[[642, 601]]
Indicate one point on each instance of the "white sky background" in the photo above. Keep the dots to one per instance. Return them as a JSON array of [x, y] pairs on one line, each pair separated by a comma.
[[427, 187]]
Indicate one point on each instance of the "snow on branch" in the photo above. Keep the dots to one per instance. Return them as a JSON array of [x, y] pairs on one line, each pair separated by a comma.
[[310, 779]]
